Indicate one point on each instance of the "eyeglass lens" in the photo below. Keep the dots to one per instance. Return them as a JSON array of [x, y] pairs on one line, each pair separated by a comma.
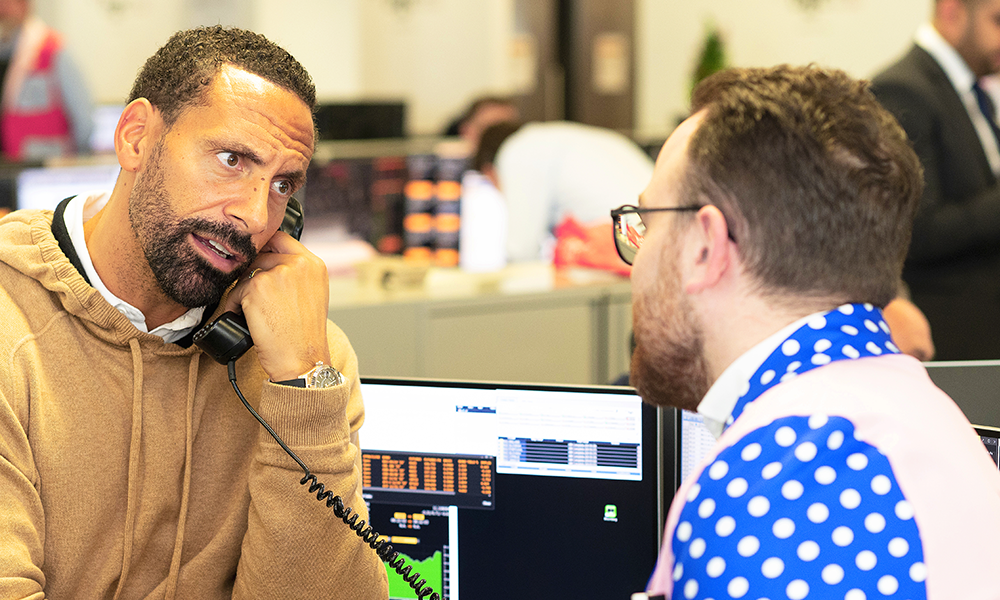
[[629, 232]]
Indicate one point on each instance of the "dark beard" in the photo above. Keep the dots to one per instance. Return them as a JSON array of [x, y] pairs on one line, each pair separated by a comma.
[[182, 274], [668, 364]]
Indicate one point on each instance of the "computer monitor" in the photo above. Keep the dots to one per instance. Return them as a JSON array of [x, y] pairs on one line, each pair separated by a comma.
[[975, 388], [360, 120], [102, 136], [687, 441], [991, 439], [46, 187], [514, 491], [973, 385], [694, 442]]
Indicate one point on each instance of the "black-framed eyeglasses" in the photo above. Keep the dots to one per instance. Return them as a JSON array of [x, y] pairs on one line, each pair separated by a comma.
[[629, 230]]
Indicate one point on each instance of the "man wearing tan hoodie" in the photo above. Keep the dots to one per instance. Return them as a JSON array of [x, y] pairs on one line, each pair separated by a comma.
[[128, 467]]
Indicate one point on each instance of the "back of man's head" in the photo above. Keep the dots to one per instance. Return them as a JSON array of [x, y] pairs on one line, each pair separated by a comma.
[[818, 182], [489, 144], [485, 112], [179, 73]]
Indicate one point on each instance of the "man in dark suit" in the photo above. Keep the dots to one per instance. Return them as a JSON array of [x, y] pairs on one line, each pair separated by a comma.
[[936, 91]]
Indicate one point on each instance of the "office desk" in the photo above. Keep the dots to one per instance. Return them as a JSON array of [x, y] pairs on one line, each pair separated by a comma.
[[528, 322]]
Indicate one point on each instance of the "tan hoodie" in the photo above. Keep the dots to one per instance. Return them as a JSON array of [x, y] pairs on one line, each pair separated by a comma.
[[130, 469]]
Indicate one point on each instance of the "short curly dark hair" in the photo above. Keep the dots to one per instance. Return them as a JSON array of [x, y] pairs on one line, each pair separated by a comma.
[[177, 76]]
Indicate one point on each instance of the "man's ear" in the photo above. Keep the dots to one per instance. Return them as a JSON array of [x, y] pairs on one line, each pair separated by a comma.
[[709, 254], [950, 17], [135, 133]]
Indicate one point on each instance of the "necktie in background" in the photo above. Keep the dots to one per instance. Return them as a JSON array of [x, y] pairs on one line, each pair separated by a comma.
[[987, 108]]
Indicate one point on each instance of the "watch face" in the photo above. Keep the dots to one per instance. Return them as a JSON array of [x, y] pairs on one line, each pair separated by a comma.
[[323, 377]]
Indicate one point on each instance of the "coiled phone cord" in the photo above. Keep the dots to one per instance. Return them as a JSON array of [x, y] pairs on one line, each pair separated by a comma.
[[382, 548]]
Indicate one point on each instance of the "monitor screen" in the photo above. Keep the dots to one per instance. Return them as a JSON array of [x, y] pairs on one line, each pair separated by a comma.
[[693, 442], [991, 439], [102, 137], [974, 385], [514, 491], [46, 187], [360, 120]]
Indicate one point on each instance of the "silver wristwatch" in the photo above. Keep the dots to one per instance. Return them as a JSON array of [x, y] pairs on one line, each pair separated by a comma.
[[320, 376]]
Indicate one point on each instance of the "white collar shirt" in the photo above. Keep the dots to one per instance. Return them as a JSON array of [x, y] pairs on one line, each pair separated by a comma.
[[79, 210], [717, 406], [962, 78]]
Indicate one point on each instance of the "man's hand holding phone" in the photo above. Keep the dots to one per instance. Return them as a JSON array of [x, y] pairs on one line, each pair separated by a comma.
[[284, 298]]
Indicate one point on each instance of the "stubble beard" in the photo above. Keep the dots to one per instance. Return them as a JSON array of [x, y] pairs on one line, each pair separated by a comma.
[[980, 60], [182, 274], [668, 364]]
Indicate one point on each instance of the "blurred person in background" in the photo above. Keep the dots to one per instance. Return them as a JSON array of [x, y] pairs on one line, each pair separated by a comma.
[[480, 115], [559, 180], [943, 92], [45, 107]]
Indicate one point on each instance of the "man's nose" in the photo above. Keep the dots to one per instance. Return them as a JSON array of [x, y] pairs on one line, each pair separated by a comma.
[[250, 209]]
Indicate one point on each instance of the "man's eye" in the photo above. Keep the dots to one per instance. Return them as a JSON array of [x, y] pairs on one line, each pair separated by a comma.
[[229, 159], [282, 187]]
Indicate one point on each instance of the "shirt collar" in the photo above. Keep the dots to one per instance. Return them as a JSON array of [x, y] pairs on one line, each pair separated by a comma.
[[78, 211], [952, 63], [962, 79], [718, 404]]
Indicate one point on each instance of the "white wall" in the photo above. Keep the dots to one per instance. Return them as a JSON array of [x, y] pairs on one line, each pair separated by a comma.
[[324, 35], [438, 54], [859, 36], [111, 39]]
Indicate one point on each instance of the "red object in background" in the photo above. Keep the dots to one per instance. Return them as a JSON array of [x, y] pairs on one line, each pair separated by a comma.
[[591, 246]]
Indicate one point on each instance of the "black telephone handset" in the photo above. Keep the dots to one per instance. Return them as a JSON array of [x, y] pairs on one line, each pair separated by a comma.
[[227, 338]]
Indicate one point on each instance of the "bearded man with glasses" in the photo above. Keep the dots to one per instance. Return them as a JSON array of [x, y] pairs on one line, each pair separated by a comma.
[[771, 234]]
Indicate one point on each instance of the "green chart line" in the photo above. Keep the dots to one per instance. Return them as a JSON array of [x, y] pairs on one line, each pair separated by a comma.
[[431, 569]]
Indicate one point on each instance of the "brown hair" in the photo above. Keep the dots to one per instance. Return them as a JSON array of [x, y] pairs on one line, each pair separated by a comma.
[[179, 73], [817, 181], [489, 144]]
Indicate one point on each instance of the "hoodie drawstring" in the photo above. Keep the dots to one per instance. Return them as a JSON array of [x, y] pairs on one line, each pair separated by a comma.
[[133, 471], [175, 562], [133, 462]]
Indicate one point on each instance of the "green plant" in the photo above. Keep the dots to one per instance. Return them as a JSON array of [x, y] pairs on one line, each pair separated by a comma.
[[809, 4], [712, 57]]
